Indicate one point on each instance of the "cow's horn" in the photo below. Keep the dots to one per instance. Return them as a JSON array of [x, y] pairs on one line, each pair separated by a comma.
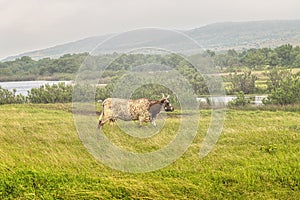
[[168, 96], [163, 95]]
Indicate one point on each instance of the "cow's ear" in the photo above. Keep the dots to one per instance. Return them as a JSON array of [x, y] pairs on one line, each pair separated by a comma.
[[163, 100]]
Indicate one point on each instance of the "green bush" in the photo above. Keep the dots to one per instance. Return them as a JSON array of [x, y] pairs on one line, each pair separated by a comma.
[[8, 97], [287, 91], [241, 100], [56, 93]]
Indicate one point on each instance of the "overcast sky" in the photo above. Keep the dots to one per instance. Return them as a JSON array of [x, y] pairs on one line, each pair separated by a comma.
[[27, 25]]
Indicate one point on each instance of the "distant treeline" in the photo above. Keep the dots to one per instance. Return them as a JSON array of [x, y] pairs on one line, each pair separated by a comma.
[[25, 68], [283, 56], [283, 88], [65, 67]]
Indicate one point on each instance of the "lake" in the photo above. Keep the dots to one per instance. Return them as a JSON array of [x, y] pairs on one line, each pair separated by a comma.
[[23, 86]]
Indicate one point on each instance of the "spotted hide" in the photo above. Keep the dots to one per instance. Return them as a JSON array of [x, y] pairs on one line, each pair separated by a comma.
[[143, 110]]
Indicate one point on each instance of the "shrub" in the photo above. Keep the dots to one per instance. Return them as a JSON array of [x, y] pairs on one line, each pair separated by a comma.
[[56, 93], [244, 82], [241, 100], [8, 97], [287, 92]]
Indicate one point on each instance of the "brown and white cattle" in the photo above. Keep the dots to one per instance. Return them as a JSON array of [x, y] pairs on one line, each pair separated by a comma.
[[143, 110]]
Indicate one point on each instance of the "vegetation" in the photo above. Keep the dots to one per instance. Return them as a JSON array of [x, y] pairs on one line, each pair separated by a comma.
[[8, 97], [43, 158], [244, 82], [253, 71], [284, 56], [240, 100], [66, 66], [56, 93], [51, 69], [276, 76], [287, 91], [256, 157]]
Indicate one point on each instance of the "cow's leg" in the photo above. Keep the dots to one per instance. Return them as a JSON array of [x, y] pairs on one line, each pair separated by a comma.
[[112, 122], [152, 120], [141, 120], [100, 120], [154, 123], [144, 118]]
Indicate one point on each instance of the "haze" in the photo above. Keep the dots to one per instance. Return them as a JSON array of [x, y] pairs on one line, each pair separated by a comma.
[[35, 24]]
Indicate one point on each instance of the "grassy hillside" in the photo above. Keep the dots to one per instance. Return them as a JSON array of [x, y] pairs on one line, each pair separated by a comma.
[[41, 157]]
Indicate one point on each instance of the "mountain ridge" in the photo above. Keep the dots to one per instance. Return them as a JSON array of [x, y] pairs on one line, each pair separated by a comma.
[[216, 36]]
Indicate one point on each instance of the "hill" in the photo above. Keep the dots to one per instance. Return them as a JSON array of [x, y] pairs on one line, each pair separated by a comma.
[[245, 35], [217, 37]]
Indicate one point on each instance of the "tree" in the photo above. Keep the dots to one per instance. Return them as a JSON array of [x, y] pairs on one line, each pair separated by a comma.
[[275, 77], [296, 62], [244, 82], [254, 58], [210, 53], [284, 54], [273, 59], [287, 91]]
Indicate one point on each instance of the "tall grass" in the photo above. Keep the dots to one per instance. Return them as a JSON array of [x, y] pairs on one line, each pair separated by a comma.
[[256, 157]]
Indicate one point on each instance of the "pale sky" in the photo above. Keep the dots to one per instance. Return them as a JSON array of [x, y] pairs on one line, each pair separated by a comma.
[[27, 25]]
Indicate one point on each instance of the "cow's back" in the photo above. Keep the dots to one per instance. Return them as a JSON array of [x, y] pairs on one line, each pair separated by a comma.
[[126, 109]]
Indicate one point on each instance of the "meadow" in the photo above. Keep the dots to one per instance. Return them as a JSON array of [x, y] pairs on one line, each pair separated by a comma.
[[256, 157]]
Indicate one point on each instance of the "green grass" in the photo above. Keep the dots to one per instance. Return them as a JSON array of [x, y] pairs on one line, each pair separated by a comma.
[[256, 157]]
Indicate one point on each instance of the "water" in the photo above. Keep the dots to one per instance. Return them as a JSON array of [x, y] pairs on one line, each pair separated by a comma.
[[23, 86], [217, 100], [258, 100]]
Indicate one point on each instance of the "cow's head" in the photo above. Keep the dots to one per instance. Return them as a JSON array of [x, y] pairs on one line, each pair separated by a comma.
[[167, 106]]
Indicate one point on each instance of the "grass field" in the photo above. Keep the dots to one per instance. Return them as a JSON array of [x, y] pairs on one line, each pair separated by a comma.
[[256, 157]]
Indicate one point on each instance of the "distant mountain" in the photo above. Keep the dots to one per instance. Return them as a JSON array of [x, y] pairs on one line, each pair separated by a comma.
[[239, 35], [217, 37], [80, 46]]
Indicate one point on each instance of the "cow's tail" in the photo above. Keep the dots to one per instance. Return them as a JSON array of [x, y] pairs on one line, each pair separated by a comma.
[[100, 119], [101, 116]]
